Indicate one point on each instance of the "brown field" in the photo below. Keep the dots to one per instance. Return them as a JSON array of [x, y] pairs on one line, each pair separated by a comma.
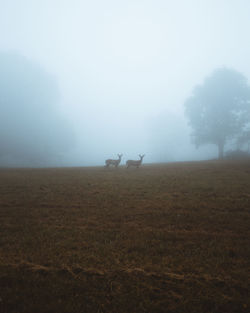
[[161, 238]]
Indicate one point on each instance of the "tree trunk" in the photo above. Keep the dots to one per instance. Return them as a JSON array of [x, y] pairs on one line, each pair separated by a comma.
[[220, 150]]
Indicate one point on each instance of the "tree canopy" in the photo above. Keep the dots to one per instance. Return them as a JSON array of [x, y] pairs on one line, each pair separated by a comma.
[[219, 109], [32, 130]]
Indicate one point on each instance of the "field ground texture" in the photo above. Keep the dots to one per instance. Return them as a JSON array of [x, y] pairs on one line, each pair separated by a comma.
[[161, 238]]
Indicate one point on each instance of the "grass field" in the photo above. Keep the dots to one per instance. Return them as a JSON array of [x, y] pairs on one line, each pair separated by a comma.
[[161, 238]]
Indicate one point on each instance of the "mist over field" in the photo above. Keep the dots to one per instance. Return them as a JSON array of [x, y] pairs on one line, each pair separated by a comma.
[[81, 81], [106, 110]]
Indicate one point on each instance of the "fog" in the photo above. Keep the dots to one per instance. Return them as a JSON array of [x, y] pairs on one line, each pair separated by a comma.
[[121, 72]]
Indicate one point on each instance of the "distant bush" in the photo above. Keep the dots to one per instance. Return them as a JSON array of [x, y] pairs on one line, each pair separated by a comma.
[[237, 155]]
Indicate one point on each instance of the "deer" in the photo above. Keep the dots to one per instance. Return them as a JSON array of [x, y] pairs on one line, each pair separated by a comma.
[[136, 163], [114, 162]]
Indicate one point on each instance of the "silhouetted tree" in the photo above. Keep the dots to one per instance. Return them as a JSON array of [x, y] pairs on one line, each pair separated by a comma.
[[244, 140], [219, 109], [32, 131]]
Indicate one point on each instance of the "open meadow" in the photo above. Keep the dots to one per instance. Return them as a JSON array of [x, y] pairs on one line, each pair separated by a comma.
[[161, 238]]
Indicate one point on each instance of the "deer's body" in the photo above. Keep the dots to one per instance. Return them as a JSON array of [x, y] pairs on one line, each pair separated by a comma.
[[136, 163], [114, 162]]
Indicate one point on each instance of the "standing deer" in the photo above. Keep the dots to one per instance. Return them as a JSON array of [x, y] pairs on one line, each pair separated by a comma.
[[114, 162], [136, 163]]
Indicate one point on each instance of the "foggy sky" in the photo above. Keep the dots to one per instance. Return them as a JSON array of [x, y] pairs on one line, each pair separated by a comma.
[[125, 68]]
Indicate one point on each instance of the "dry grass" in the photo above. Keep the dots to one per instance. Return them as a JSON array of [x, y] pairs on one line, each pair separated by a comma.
[[161, 238]]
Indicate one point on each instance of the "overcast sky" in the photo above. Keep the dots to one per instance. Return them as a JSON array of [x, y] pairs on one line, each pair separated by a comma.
[[121, 65]]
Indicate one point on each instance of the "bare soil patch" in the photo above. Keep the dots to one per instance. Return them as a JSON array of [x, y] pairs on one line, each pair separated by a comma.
[[161, 238]]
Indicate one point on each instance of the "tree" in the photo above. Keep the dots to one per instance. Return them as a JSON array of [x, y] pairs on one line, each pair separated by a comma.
[[244, 140], [219, 109], [32, 130]]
